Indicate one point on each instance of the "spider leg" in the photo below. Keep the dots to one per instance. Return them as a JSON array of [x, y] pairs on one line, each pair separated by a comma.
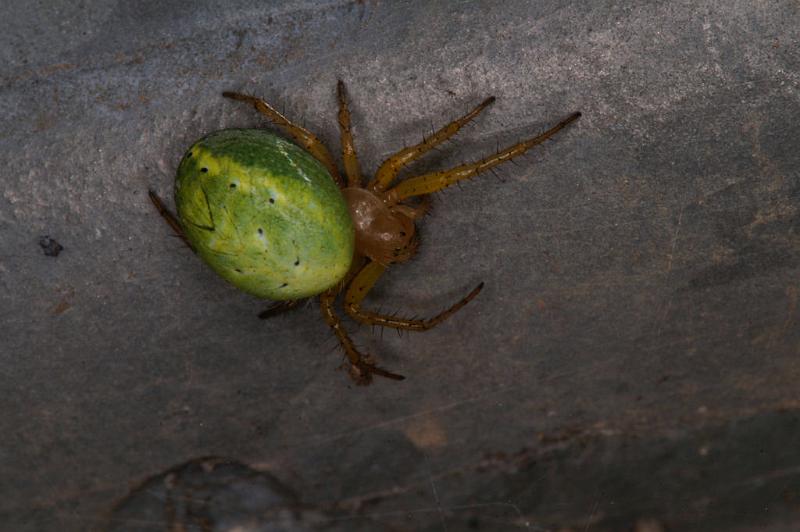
[[415, 212], [428, 183], [301, 135], [279, 308], [349, 156], [170, 218], [361, 367], [363, 282], [392, 166]]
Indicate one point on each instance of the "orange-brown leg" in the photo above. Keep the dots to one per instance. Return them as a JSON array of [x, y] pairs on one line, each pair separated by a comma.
[[170, 218], [392, 166], [363, 282], [361, 367], [415, 212], [300, 134], [428, 183], [279, 308], [351, 166]]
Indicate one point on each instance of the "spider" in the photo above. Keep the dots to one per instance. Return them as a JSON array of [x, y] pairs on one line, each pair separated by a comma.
[[280, 222]]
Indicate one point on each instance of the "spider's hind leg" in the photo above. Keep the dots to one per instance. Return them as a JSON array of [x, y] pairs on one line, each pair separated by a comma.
[[361, 366], [363, 282], [301, 135], [349, 156], [170, 218], [279, 308]]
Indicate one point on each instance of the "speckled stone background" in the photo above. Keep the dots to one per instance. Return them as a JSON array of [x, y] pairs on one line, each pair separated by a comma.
[[632, 362]]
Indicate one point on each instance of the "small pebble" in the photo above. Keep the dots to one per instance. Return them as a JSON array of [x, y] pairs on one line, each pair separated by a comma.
[[50, 246]]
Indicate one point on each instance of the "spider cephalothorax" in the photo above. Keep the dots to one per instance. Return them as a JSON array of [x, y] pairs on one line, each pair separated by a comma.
[[384, 234], [281, 223]]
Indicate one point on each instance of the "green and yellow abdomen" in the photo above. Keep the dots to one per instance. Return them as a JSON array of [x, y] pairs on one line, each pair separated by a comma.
[[264, 214]]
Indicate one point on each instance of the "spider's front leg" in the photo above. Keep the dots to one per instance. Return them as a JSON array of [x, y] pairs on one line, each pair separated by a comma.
[[361, 367], [391, 167], [363, 282], [434, 181], [416, 212]]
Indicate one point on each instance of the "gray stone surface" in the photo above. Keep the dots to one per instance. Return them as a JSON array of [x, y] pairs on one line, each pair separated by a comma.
[[633, 356]]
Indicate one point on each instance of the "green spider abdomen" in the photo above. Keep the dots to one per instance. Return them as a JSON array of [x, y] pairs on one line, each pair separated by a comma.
[[264, 214]]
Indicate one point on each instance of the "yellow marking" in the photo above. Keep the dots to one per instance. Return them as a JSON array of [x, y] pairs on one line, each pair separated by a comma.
[[282, 149], [225, 167], [198, 212], [206, 160]]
